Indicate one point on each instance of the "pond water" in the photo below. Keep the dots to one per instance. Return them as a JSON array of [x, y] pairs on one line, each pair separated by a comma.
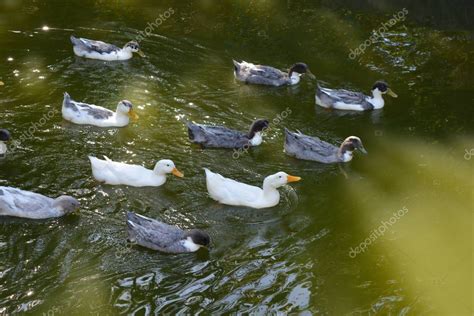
[[304, 255]]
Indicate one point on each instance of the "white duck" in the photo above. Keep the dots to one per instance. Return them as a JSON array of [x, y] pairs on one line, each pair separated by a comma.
[[117, 173], [231, 192], [83, 113]]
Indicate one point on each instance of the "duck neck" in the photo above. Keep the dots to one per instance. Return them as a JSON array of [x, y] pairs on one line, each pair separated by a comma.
[[3, 148], [189, 244], [377, 100], [270, 192], [344, 153], [159, 172], [122, 117], [125, 53], [256, 139], [294, 78]]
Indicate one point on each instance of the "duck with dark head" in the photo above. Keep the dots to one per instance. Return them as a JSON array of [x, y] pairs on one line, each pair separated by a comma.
[[209, 136], [270, 76], [306, 147]]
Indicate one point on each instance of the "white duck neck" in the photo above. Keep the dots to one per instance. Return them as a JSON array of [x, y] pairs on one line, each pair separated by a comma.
[[189, 244], [256, 139], [270, 193], [377, 100], [125, 53], [3, 148], [295, 78]]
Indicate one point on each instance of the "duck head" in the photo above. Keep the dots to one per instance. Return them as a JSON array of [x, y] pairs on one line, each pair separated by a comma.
[[279, 179], [4, 135], [126, 107], [66, 204], [350, 144], [381, 87], [165, 166], [134, 47], [297, 70], [199, 237]]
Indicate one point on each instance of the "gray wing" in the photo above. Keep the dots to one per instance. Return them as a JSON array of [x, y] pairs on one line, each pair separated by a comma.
[[217, 136], [309, 148], [267, 72], [346, 96], [96, 46], [96, 112], [153, 234], [15, 202]]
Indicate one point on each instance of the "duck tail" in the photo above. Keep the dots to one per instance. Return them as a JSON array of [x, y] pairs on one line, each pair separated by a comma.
[[67, 101], [236, 65], [194, 132], [74, 40], [132, 234]]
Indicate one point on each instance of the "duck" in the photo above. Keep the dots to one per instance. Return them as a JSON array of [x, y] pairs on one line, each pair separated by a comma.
[[269, 76], [156, 235], [118, 173], [341, 99], [306, 147], [4, 137], [19, 203], [222, 137], [231, 192], [90, 114], [92, 49]]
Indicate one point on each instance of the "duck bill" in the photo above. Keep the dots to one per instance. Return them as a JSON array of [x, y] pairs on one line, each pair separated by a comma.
[[362, 150], [177, 173], [310, 74], [133, 115], [140, 53], [391, 93], [292, 179]]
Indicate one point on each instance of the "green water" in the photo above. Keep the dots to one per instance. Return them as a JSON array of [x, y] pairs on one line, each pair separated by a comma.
[[292, 258]]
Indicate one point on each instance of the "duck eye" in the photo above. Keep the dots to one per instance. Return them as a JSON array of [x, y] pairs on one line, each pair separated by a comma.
[[167, 165]]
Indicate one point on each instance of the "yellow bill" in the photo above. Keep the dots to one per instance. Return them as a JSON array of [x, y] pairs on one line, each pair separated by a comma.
[[292, 179], [142, 54], [177, 173], [133, 115], [391, 93]]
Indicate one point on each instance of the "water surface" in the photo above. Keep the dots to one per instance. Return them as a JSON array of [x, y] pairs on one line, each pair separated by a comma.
[[292, 258]]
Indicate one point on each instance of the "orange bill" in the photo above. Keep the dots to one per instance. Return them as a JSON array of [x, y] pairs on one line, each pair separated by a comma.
[[177, 173], [293, 179], [133, 115]]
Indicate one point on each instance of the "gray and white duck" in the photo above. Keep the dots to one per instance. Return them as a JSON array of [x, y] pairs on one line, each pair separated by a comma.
[[19, 203], [270, 76], [222, 137], [92, 49], [341, 99], [156, 235], [306, 147]]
